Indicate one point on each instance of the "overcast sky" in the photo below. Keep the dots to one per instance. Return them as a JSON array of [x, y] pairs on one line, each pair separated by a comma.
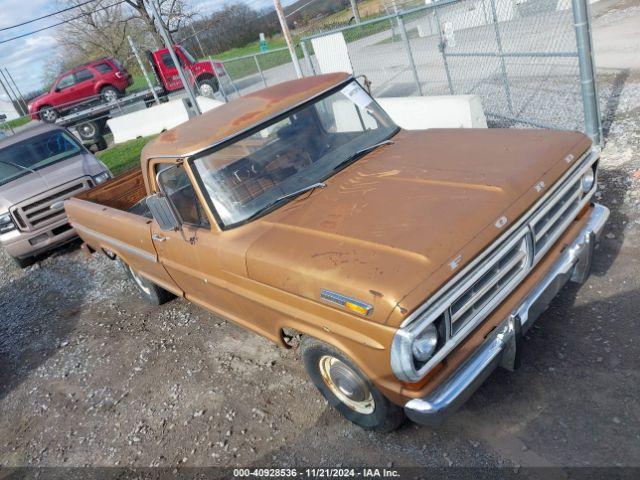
[[26, 57]]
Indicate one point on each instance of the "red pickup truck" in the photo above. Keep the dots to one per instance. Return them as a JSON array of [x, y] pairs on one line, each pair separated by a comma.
[[201, 74], [104, 79]]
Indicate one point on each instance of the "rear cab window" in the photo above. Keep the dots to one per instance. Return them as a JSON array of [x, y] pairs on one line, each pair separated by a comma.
[[103, 67]]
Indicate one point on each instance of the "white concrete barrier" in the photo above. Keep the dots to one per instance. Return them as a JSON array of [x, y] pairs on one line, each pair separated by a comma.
[[153, 120], [447, 111]]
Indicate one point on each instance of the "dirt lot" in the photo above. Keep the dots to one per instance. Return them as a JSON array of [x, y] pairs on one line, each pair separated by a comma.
[[91, 375]]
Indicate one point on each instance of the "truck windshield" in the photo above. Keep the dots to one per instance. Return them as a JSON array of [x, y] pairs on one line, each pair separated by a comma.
[[261, 170], [37, 152]]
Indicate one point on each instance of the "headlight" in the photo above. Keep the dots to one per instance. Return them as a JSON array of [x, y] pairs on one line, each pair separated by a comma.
[[6, 223], [101, 178], [424, 346], [588, 180]]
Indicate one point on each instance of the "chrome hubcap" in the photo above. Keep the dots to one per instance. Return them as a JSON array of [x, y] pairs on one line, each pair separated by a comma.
[[206, 90], [346, 384], [49, 115], [110, 96]]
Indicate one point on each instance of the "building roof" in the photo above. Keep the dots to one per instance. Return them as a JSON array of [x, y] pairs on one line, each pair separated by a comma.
[[237, 116]]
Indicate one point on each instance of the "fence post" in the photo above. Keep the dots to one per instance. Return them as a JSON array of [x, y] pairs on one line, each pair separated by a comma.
[[587, 70], [443, 50], [144, 70], [407, 46], [503, 65], [230, 79], [220, 87], [264, 81], [307, 57]]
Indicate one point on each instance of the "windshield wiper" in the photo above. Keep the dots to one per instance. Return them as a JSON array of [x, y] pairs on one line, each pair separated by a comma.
[[313, 186], [361, 152], [21, 167]]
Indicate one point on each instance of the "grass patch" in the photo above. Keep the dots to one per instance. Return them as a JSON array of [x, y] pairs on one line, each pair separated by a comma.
[[15, 123], [139, 83], [125, 155]]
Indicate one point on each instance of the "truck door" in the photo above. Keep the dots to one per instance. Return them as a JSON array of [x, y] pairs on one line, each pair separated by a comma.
[[65, 91], [190, 255], [169, 72], [84, 84]]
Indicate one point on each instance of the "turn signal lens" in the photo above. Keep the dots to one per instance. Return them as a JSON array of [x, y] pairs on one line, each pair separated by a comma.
[[356, 308]]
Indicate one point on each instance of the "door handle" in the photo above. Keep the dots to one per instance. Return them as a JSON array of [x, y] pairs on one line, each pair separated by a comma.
[[158, 238]]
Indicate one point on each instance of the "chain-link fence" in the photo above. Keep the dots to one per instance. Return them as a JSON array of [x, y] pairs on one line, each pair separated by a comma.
[[521, 57]]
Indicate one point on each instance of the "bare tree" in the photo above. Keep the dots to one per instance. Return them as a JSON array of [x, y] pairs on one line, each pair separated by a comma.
[[174, 14]]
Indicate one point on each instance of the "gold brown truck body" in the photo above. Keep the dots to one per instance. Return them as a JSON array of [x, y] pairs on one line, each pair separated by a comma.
[[395, 230]]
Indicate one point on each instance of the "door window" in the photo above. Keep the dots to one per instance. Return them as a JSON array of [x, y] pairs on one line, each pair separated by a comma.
[[175, 184], [82, 75], [168, 61], [65, 81]]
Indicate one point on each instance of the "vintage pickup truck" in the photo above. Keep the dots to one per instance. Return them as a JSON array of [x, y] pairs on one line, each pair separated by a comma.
[[408, 262]]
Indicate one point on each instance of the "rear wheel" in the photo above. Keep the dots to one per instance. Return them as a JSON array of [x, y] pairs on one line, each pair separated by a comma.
[[208, 86], [154, 294], [48, 114], [347, 389], [87, 131], [110, 94]]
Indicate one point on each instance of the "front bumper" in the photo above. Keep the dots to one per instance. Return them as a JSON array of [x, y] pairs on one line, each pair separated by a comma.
[[499, 348]]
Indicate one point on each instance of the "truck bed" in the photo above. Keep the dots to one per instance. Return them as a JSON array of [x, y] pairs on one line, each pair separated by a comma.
[[113, 218]]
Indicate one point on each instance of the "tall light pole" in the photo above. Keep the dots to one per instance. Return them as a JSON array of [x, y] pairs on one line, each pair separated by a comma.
[[167, 43], [354, 9], [287, 37]]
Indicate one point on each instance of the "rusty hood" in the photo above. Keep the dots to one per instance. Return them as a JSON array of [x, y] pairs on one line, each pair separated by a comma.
[[388, 222]]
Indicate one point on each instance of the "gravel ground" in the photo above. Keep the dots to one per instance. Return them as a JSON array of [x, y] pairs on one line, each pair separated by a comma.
[[91, 375]]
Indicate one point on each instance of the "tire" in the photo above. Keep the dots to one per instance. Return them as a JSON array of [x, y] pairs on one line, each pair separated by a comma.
[[154, 294], [110, 94], [208, 86], [48, 114], [367, 407], [24, 262]]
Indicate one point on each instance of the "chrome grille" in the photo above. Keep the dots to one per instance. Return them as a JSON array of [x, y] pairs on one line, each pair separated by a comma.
[[38, 212], [466, 300], [491, 285], [549, 223]]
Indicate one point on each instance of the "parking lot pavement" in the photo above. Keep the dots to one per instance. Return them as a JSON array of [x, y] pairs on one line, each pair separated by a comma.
[[91, 375]]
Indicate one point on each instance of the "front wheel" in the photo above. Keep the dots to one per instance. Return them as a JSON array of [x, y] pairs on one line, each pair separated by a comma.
[[347, 389], [48, 114], [208, 87]]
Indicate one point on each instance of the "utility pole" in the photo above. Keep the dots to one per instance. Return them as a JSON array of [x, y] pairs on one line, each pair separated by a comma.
[[195, 34], [144, 70], [167, 42], [287, 37], [12, 96], [24, 102], [354, 9]]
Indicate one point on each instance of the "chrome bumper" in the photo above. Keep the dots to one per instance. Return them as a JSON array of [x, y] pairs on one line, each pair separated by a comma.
[[499, 348]]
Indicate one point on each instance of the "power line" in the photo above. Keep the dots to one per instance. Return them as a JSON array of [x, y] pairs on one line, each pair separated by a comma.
[[46, 16], [60, 23]]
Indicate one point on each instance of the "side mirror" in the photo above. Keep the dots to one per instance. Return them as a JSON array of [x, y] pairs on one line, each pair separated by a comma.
[[163, 212]]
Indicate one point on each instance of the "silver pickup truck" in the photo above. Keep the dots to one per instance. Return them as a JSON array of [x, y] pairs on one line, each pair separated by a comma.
[[40, 167]]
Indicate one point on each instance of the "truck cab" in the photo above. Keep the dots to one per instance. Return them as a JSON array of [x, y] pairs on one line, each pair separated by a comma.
[[201, 74]]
